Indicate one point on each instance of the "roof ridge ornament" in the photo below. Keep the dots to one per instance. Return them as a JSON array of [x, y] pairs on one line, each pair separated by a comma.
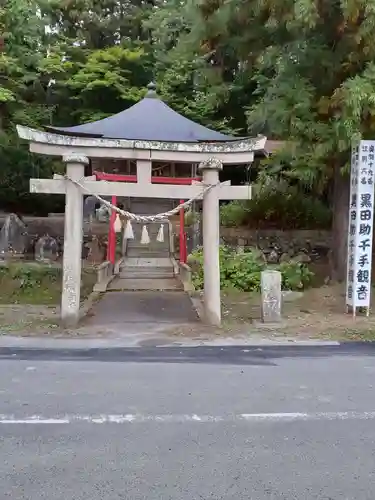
[[151, 91]]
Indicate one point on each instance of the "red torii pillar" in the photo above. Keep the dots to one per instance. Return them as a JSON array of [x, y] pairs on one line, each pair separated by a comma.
[[111, 248]]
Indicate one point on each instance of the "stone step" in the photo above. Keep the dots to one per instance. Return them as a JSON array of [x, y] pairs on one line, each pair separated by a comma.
[[154, 255], [145, 284], [147, 248], [153, 238], [147, 262], [146, 273]]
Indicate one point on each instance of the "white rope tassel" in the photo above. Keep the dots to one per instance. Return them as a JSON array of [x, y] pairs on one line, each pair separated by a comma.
[[129, 235], [160, 236], [117, 226], [145, 239]]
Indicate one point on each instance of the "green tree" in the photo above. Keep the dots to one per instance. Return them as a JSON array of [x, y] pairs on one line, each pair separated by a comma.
[[313, 70]]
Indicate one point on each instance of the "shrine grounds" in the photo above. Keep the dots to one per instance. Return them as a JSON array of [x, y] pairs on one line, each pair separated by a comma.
[[29, 307]]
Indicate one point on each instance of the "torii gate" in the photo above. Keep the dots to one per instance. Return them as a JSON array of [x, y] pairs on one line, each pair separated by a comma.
[[211, 154]]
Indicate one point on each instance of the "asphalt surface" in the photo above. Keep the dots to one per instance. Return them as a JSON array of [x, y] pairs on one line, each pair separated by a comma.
[[139, 307], [195, 423]]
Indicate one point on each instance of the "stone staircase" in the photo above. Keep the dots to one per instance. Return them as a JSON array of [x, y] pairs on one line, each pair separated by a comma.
[[150, 267], [147, 267], [146, 273]]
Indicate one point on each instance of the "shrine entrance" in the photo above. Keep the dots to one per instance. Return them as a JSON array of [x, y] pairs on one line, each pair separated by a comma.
[[144, 134]]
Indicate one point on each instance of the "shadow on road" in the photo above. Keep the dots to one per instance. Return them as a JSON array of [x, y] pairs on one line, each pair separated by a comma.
[[231, 355]]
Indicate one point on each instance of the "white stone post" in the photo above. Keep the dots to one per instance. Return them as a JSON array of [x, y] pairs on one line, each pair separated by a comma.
[[211, 238], [271, 296], [144, 172], [73, 236]]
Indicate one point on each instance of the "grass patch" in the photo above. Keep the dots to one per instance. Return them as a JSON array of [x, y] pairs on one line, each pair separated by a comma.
[[34, 284], [28, 325], [355, 335]]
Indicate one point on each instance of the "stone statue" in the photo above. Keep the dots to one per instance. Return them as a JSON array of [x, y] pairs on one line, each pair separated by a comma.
[[13, 237], [46, 249]]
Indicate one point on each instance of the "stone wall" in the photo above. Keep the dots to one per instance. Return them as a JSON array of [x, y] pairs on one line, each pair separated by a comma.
[[94, 241], [279, 246]]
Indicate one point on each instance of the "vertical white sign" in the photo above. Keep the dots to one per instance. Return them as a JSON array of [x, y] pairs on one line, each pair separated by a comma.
[[361, 216]]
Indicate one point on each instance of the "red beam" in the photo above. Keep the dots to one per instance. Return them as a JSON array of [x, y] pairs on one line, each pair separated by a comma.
[[174, 180], [103, 176]]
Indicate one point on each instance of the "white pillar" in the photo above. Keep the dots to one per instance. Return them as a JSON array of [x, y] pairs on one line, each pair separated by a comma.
[[211, 240], [144, 171], [73, 236]]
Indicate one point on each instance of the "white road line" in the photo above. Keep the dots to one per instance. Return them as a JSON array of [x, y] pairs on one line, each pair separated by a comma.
[[130, 418]]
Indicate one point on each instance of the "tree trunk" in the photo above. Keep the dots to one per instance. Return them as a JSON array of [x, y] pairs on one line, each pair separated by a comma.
[[341, 190]]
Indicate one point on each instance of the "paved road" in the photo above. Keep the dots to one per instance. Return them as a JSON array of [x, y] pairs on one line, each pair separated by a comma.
[[235, 424]]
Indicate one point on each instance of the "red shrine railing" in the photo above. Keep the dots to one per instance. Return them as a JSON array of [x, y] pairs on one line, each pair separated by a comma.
[[181, 181]]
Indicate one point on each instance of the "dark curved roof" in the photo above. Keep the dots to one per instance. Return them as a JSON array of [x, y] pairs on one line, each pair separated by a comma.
[[148, 120]]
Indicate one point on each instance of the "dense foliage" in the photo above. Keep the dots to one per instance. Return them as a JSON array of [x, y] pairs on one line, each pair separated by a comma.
[[242, 270], [279, 206], [301, 70]]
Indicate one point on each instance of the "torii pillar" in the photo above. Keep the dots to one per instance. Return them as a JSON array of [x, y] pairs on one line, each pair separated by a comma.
[[73, 238], [211, 241]]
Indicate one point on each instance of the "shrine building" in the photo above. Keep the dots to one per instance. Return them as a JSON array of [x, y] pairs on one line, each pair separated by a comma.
[[150, 159]]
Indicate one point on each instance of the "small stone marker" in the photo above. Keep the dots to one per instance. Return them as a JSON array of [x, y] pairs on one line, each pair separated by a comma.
[[46, 249], [96, 251], [271, 296]]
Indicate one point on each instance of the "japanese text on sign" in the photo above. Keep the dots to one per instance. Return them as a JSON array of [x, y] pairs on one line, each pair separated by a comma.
[[361, 215]]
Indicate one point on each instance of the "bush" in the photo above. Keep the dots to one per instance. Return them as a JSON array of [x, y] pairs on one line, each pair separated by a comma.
[[282, 208], [242, 270], [30, 276], [32, 283], [233, 214]]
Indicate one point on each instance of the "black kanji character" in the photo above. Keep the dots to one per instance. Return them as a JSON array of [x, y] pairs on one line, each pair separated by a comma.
[[365, 215], [363, 260], [350, 292], [364, 244], [352, 230], [351, 276], [353, 215], [354, 201], [363, 276], [362, 292], [366, 200], [364, 229], [364, 159]]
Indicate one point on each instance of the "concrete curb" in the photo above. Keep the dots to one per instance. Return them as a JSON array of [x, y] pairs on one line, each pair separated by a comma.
[[9, 342]]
